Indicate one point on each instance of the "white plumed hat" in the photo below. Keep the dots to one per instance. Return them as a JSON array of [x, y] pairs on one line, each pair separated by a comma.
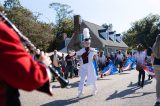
[[86, 34]]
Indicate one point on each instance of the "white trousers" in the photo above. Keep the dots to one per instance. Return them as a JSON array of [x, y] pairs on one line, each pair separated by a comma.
[[87, 71]]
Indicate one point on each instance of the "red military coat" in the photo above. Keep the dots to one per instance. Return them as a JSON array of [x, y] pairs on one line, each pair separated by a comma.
[[17, 68]]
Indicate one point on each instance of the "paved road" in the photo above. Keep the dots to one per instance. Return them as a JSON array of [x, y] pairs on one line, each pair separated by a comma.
[[113, 90]]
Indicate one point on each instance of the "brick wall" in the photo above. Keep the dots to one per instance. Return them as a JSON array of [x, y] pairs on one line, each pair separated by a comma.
[[75, 43]]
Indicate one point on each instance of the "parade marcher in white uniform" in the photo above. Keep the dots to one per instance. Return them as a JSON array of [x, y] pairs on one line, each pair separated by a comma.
[[87, 70]]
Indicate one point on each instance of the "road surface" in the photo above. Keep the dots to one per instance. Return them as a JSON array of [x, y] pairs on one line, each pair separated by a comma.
[[114, 90]]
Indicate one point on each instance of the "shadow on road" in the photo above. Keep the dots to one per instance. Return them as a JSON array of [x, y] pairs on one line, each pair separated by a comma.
[[75, 84], [103, 78], [146, 82], [131, 90], [141, 94], [65, 102], [123, 73], [71, 85]]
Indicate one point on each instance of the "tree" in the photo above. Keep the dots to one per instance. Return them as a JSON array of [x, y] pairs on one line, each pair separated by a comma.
[[9, 4], [143, 31], [1, 8], [110, 27], [107, 26], [41, 34], [64, 17], [64, 23]]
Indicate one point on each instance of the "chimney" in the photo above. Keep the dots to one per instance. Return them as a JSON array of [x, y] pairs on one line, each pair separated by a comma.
[[75, 41], [77, 24]]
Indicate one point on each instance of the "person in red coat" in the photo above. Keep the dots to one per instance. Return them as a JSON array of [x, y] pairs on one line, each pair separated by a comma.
[[18, 70]]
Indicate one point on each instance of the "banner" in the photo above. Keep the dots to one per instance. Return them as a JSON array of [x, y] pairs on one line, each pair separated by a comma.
[[109, 70], [129, 64], [149, 70], [95, 66]]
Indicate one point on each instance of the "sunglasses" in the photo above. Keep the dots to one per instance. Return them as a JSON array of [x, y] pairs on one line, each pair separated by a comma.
[[87, 39]]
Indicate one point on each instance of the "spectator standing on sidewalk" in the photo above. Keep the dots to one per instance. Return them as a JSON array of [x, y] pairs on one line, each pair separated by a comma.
[[119, 60], [140, 60], [56, 62], [69, 66], [156, 65]]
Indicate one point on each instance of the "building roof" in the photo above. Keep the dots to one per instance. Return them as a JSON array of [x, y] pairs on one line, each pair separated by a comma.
[[118, 38], [94, 28], [103, 34]]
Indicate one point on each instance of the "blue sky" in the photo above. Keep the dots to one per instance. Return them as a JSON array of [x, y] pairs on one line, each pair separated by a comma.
[[121, 13]]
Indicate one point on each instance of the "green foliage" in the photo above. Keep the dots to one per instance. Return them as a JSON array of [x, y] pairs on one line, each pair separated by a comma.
[[9, 4], [62, 11], [40, 34], [64, 18], [1, 8], [64, 23], [107, 26], [143, 31]]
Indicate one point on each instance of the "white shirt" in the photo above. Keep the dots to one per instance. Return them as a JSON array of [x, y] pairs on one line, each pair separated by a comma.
[[140, 57], [92, 52], [55, 61], [102, 59], [120, 57]]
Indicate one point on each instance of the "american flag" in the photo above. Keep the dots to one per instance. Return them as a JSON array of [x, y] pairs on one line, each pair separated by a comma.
[[149, 70], [128, 64], [110, 69]]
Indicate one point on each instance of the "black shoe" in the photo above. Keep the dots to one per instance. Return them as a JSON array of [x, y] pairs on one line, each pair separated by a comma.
[[149, 78], [157, 104], [101, 76], [141, 86]]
